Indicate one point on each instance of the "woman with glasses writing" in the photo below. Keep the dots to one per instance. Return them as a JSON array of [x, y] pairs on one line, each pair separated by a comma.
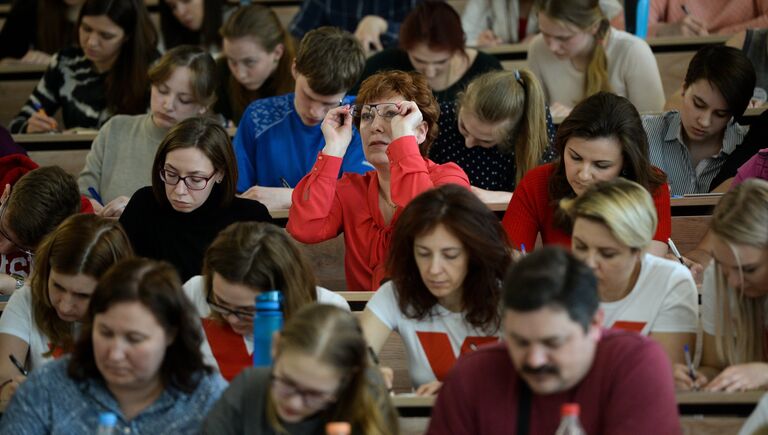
[[396, 114], [244, 260], [191, 199], [320, 373]]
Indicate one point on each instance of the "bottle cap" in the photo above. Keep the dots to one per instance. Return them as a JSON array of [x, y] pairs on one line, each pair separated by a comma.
[[570, 409], [269, 301], [338, 428], [107, 419]]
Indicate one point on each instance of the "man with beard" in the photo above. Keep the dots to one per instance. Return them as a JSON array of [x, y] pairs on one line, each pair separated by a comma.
[[556, 352]]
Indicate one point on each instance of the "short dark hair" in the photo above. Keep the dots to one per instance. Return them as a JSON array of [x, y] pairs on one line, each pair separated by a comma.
[[435, 24], [729, 70], [483, 238], [39, 202], [207, 135], [155, 285], [331, 59], [552, 277]]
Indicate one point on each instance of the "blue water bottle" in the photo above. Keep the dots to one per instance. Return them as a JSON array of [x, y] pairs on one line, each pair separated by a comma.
[[267, 321], [641, 25], [107, 423]]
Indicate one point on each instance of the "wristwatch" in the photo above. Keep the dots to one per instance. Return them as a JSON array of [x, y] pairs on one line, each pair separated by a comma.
[[19, 280]]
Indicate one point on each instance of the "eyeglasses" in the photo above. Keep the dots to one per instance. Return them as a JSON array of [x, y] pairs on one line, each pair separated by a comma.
[[193, 182], [366, 111], [285, 388], [3, 233], [243, 316]]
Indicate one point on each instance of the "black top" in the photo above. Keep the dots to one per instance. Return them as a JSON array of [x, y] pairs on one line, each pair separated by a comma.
[[397, 59], [755, 140], [19, 32], [160, 232], [487, 168]]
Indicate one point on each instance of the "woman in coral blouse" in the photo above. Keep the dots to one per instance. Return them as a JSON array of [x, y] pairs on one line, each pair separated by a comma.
[[602, 138], [396, 114]]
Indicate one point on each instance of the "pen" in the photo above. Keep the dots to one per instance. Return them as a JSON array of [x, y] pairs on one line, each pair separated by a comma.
[[284, 182], [522, 249], [689, 363], [675, 252], [18, 365], [489, 22], [95, 195], [373, 355], [685, 9]]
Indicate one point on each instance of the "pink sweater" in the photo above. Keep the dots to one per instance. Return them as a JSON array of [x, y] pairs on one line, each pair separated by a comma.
[[722, 16]]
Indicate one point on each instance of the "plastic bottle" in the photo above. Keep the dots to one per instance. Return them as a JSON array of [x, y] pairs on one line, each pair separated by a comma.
[[267, 320], [641, 26], [569, 423], [107, 423], [338, 428]]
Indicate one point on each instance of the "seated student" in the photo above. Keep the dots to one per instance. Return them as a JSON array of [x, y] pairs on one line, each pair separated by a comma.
[[244, 260], [397, 117], [555, 352], [36, 204], [488, 23], [600, 140], [191, 199], [35, 29], [192, 22], [754, 44], [578, 54], [613, 223], [256, 62], [734, 295], [320, 358], [691, 145], [755, 140], [138, 357], [278, 138], [183, 84], [703, 17], [506, 129], [432, 43], [41, 321], [375, 24], [448, 257], [105, 74]]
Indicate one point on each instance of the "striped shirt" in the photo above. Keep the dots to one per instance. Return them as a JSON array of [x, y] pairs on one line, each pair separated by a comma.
[[669, 153]]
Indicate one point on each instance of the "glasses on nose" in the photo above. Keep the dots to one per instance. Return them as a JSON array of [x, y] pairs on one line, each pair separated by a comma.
[[193, 182], [4, 233], [285, 388], [243, 316], [367, 112]]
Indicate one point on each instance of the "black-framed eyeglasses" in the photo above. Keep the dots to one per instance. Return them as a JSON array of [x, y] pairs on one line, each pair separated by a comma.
[[243, 316], [367, 112], [285, 388], [4, 233], [193, 182]]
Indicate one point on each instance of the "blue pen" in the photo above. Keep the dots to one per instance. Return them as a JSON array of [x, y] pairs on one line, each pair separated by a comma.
[[522, 249], [95, 195], [285, 183], [689, 363]]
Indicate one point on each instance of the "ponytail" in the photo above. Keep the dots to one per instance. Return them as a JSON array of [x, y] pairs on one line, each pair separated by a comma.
[[597, 70], [531, 139]]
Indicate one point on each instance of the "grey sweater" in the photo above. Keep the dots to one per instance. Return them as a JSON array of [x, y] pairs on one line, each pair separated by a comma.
[[120, 160]]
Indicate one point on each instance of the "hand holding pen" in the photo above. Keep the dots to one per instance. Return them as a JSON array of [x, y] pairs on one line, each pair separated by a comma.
[[40, 122], [691, 25]]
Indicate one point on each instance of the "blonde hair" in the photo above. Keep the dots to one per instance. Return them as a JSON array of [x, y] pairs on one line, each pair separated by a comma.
[[584, 14], [333, 336], [515, 97], [624, 206], [741, 218]]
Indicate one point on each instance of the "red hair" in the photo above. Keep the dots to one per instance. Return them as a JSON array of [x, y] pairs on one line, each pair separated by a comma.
[[435, 24]]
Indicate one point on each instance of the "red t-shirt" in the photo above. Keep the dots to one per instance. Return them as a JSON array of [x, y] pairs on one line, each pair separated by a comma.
[[628, 390], [530, 212]]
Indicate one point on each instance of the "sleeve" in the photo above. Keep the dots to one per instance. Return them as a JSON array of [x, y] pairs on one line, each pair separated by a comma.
[[16, 318], [662, 201], [758, 22], [29, 412], [450, 414], [708, 300], [18, 33], [642, 398], [45, 96], [90, 176], [310, 16], [354, 159], [748, 170], [134, 223], [325, 296], [642, 79], [316, 212], [383, 304], [245, 151], [680, 308], [410, 175], [474, 19], [656, 14], [226, 416], [758, 420], [521, 220]]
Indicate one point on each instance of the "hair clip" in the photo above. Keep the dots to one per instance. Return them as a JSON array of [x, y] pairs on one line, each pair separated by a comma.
[[517, 77]]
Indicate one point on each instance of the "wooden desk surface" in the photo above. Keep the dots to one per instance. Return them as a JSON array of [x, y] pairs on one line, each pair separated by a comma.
[[707, 398], [695, 201]]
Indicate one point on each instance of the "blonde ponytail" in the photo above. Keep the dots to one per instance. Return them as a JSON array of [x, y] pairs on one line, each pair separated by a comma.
[[596, 79]]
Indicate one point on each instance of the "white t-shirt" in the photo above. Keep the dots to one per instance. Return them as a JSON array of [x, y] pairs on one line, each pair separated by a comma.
[[194, 288], [632, 72], [17, 321], [664, 299], [432, 344]]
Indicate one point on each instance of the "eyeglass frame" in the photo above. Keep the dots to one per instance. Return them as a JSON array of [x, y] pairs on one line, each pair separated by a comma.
[[184, 179], [310, 398], [242, 316], [26, 251], [357, 111]]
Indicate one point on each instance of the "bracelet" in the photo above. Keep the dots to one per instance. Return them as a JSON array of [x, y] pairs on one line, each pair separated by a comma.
[[19, 280]]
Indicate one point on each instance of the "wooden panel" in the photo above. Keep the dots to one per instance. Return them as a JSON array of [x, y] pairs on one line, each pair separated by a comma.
[[393, 355], [13, 95], [687, 231], [71, 161], [327, 260]]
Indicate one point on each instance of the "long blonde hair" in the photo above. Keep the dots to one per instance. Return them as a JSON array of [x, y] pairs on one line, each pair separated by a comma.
[[741, 218], [333, 336], [584, 14], [517, 98]]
